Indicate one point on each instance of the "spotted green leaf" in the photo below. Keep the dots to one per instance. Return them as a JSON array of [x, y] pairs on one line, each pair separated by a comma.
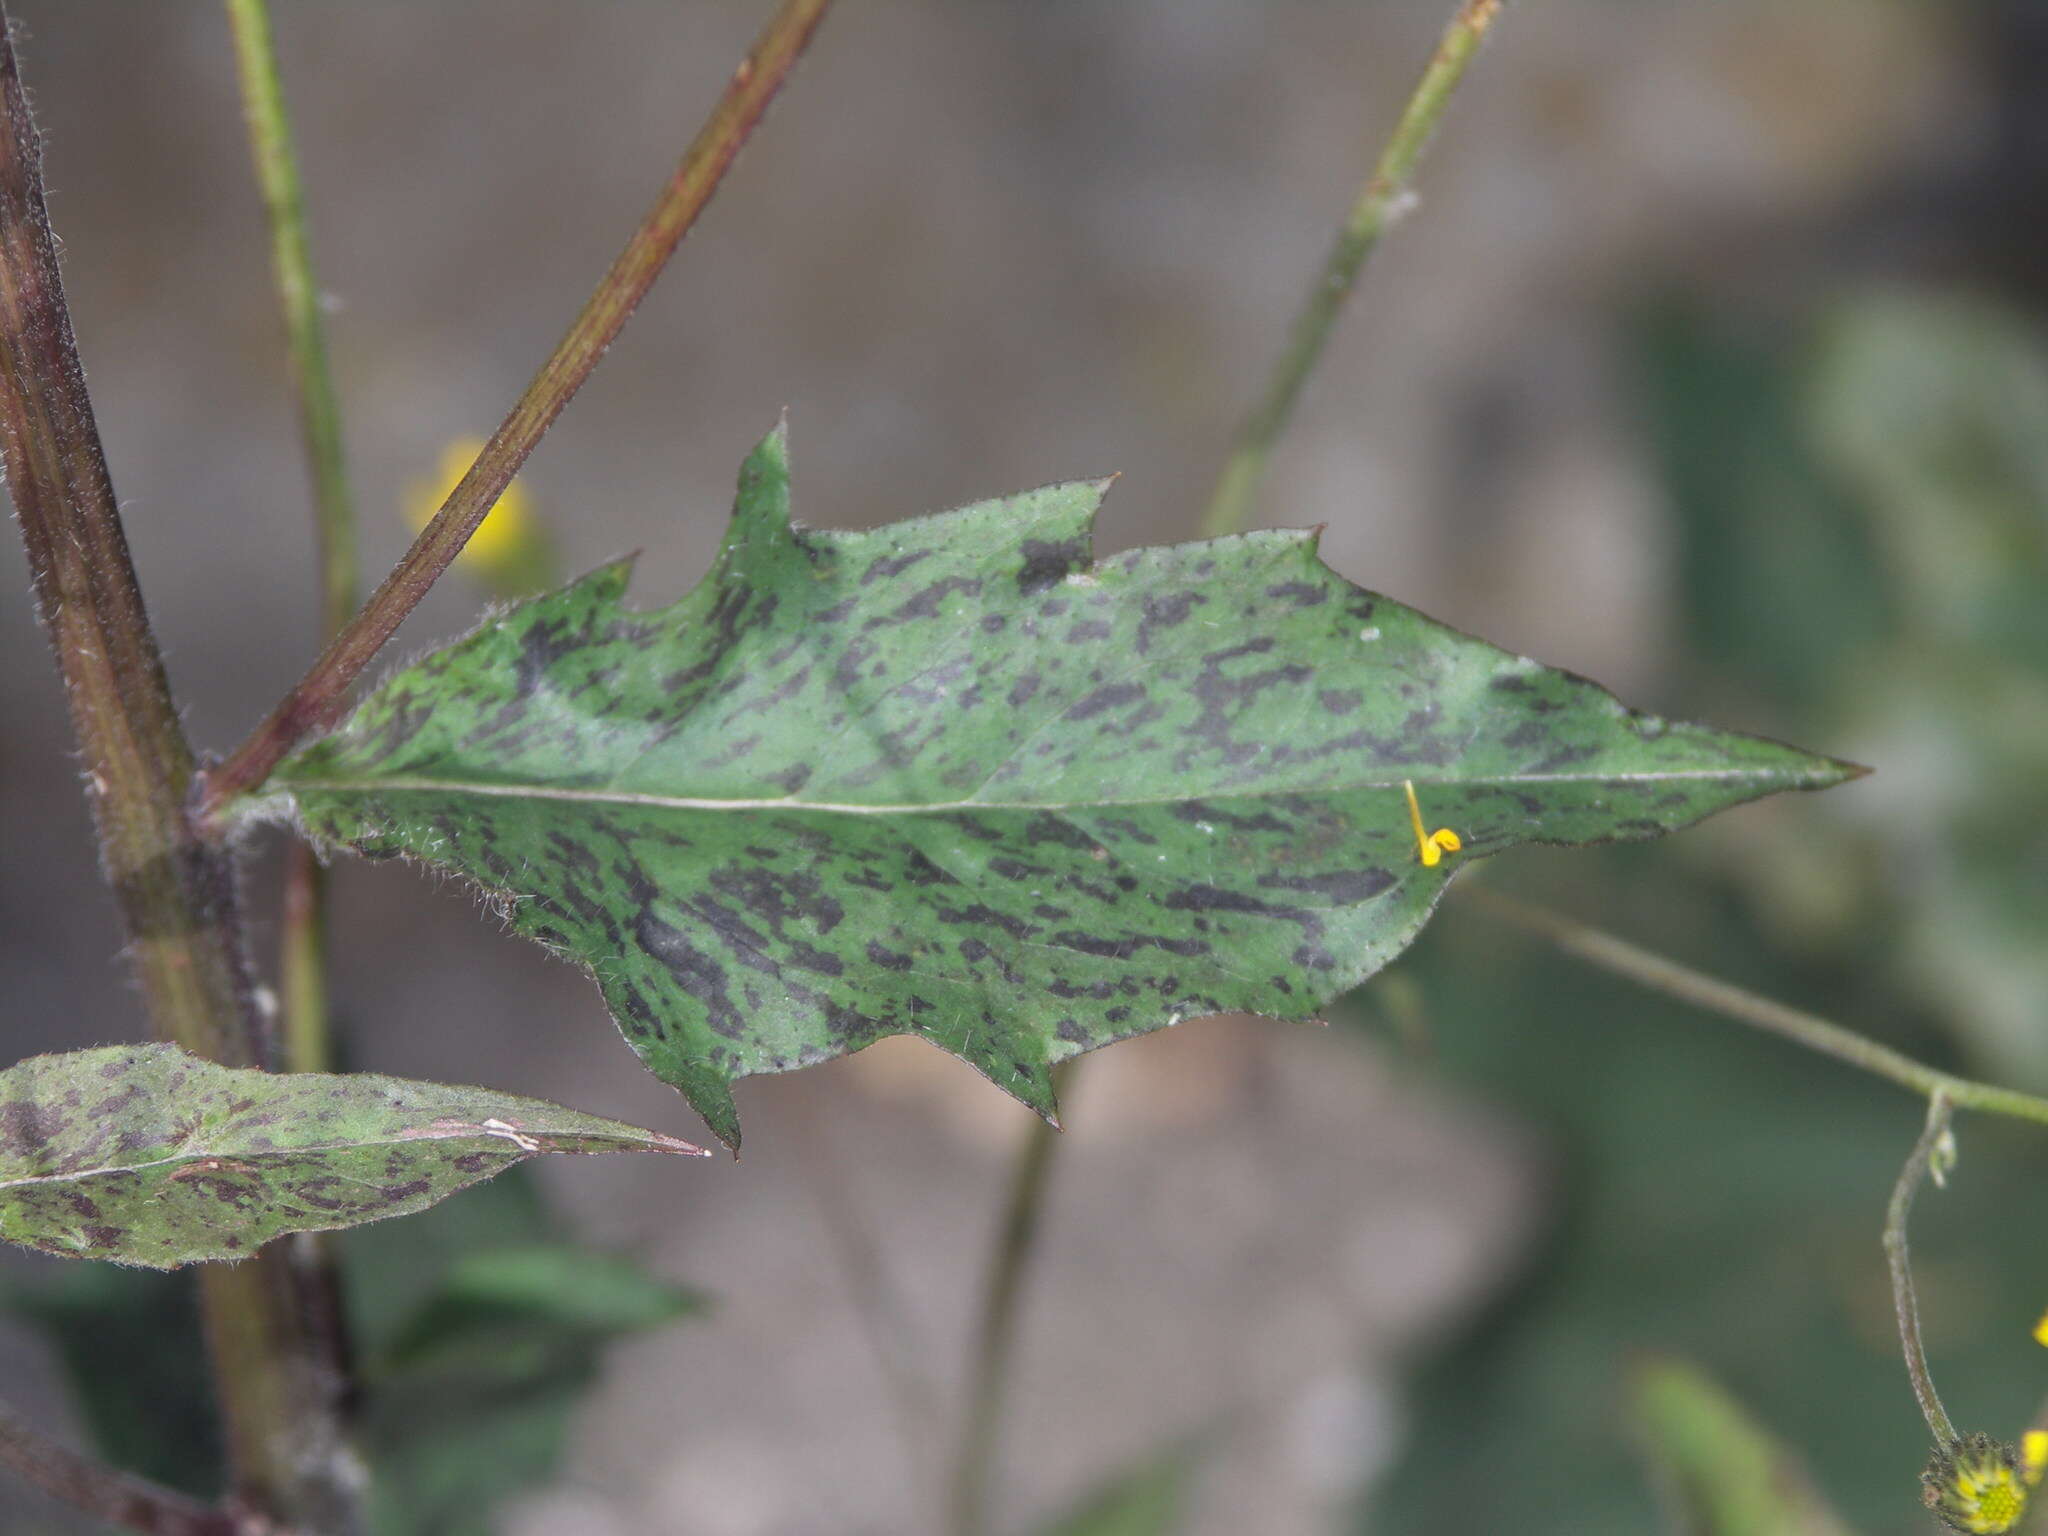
[[145, 1155], [956, 778]]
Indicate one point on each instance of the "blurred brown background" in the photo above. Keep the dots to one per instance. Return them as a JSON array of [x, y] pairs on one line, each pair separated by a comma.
[[976, 247]]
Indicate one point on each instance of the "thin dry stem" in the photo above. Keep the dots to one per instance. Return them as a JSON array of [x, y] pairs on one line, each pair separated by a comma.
[[1899, 1256], [996, 1331], [1810, 1030], [322, 694], [1381, 202]]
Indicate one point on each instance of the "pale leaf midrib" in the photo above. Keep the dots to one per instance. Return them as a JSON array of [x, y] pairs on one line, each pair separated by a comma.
[[1787, 777]]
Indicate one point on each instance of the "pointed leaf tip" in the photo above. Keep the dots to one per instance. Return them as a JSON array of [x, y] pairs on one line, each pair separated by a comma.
[[145, 1155], [770, 457], [958, 777]]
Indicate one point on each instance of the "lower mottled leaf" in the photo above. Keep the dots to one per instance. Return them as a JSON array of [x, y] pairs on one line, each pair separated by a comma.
[[144, 1154]]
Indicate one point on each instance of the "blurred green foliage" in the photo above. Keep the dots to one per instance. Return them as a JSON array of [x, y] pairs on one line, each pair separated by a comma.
[[1862, 560], [1718, 1194], [478, 1324], [1722, 1473], [129, 1344], [479, 1331], [1864, 552], [1144, 1500], [1935, 413]]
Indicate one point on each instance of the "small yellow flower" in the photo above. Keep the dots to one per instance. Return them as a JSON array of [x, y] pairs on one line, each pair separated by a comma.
[[511, 550], [2041, 1330], [1977, 1485], [1430, 847]]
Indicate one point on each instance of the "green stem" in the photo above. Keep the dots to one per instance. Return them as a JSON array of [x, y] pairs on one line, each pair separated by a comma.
[[99, 1491], [277, 175], [322, 694], [1381, 201], [302, 949], [1900, 1258], [1810, 1030], [174, 887], [302, 942], [996, 1333], [307, 1036]]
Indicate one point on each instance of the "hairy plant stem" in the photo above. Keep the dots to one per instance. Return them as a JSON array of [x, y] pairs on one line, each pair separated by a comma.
[[302, 949], [1810, 1030], [1383, 199], [1900, 1258], [174, 888], [100, 1492], [996, 1329], [322, 694]]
